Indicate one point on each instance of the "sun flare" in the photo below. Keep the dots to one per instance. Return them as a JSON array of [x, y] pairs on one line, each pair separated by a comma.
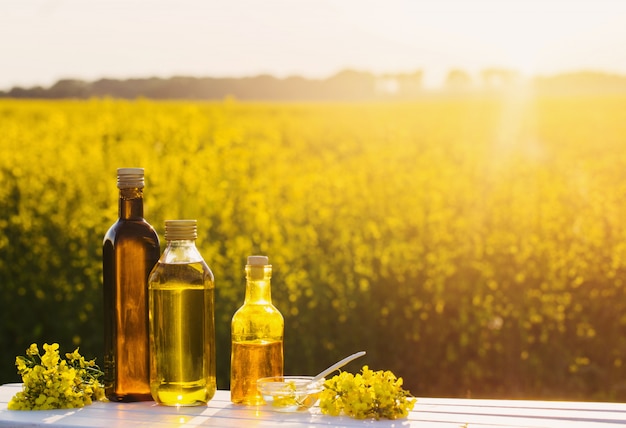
[[529, 37]]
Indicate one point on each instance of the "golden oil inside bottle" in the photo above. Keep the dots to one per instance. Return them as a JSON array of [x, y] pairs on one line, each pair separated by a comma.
[[253, 360], [182, 327]]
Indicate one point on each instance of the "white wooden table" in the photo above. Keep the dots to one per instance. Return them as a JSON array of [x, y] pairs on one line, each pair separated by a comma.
[[428, 412]]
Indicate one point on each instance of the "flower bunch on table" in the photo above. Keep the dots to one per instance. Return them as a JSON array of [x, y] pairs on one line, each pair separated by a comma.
[[366, 395], [50, 382]]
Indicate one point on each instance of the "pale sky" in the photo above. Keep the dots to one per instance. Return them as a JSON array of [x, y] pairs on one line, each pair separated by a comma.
[[42, 41]]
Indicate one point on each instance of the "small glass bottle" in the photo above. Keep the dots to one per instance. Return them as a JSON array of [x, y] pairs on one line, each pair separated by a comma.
[[182, 321], [130, 251], [257, 330]]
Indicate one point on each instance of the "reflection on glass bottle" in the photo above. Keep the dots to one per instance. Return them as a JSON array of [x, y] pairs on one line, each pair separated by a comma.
[[257, 330]]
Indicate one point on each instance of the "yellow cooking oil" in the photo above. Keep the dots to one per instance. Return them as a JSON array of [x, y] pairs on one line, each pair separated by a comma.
[[257, 330], [182, 326], [253, 360]]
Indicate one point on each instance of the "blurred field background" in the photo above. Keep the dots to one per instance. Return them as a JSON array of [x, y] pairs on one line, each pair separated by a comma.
[[475, 246]]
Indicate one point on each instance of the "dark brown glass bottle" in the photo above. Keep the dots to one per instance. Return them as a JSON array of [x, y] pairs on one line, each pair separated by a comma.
[[130, 251]]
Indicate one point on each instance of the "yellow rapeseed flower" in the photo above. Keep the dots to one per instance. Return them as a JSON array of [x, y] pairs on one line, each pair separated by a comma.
[[52, 383], [366, 395]]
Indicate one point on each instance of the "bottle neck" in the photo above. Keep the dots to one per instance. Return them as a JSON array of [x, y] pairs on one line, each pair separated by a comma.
[[131, 203], [258, 285], [181, 251]]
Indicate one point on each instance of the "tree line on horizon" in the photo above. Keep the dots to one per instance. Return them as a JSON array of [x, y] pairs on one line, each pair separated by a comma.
[[345, 85]]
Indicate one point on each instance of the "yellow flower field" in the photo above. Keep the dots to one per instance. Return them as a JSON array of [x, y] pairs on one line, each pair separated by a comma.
[[473, 246]]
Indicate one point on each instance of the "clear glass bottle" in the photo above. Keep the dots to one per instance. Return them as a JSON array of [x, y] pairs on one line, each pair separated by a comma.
[[182, 321], [257, 330], [130, 251]]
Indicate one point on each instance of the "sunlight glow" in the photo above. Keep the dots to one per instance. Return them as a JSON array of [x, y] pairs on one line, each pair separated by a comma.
[[313, 38], [528, 36]]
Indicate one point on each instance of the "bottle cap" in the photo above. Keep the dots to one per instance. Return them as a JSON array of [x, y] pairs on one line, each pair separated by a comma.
[[258, 260], [128, 178], [176, 230]]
